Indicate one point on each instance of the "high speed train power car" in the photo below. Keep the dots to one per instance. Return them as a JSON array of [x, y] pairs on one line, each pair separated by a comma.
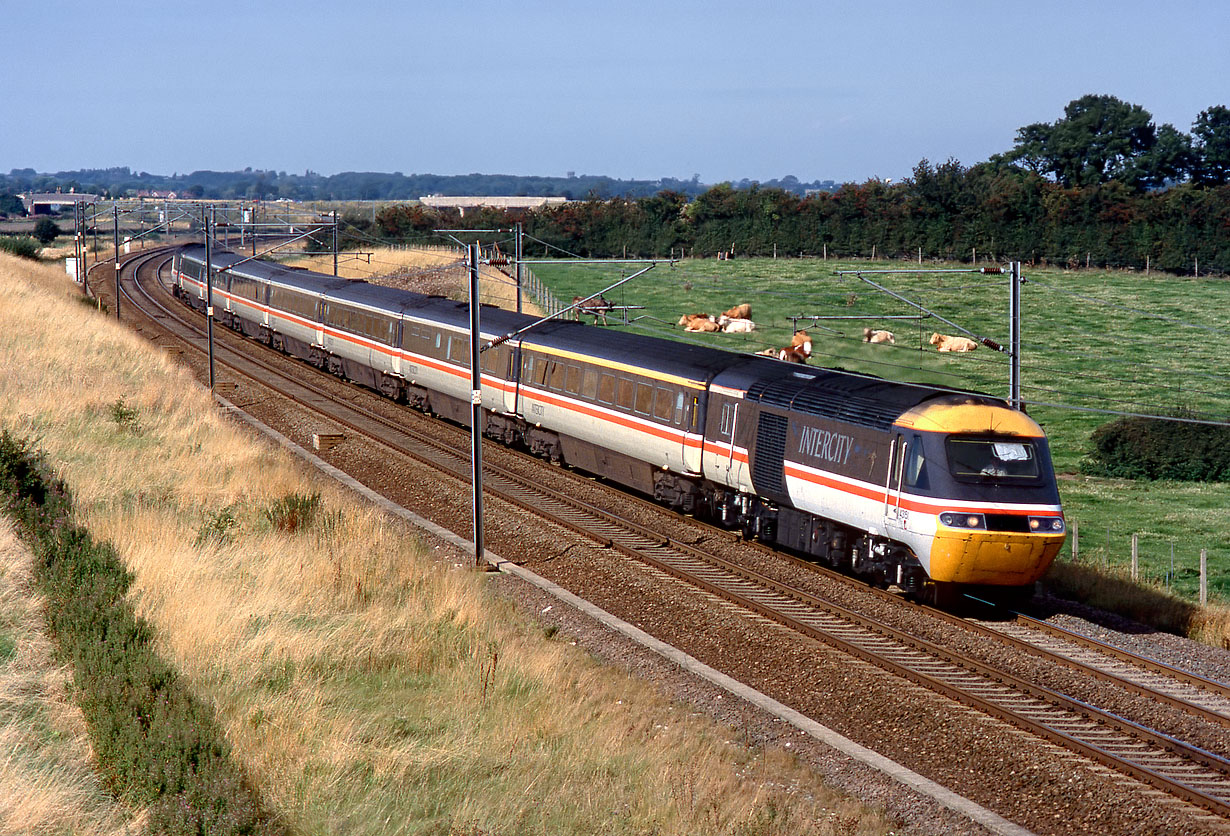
[[928, 489]]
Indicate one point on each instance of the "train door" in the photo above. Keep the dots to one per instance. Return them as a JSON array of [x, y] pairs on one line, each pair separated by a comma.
[[894, 515], [729, 421], [688, 416], [512, 389]]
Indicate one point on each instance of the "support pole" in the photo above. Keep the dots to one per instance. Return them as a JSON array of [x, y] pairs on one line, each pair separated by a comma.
[[334, 242], [520, 233], [78, 249], [1014, 350], [476, 410], [115, 208], [209, 293], [1135, 557]]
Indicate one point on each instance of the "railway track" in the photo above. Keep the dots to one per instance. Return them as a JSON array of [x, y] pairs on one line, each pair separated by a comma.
[[1182, 770]]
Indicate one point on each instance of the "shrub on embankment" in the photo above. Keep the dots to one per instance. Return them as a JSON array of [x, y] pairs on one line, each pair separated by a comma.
[[1151, 448], [158, 745], [20, 245]]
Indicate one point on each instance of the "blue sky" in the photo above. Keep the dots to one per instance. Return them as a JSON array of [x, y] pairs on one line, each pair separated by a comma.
[[725, 90]]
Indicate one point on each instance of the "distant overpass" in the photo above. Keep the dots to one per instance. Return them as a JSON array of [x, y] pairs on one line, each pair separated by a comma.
[[43, 204]]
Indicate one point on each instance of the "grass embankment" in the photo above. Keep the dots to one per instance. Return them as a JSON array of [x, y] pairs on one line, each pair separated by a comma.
[[439, 270], [361, 685], [1112, 340]]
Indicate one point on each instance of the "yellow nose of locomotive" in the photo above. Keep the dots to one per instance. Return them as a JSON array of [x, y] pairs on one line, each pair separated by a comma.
[[995, 558]]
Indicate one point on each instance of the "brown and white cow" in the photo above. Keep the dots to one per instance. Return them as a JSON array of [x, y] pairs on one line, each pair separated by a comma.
[[943, 342]]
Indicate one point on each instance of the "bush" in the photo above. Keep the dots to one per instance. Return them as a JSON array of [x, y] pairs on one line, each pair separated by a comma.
[[293, 512], [216, 528], [157, 744], [20, 245], [46, 231], [1153, 448]]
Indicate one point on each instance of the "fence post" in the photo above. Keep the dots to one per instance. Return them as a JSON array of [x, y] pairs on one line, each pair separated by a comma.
[[1204, 577], [1076, 541], [1135, 556]]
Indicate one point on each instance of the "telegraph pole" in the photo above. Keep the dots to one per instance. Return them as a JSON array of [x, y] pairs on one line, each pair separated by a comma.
[[209, 294], [1014, 349], [520, 233], [115, 207], [476, 410]]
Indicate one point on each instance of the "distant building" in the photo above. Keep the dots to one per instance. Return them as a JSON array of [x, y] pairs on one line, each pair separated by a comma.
[[45, 204], [462, 203]]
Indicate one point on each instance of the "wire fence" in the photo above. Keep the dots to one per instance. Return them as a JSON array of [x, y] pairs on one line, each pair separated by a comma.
[[1153, 559]]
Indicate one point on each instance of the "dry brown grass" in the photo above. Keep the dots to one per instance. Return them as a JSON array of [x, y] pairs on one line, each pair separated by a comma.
[[1111, 588], [438, 270], [364, 686], [46, 780]]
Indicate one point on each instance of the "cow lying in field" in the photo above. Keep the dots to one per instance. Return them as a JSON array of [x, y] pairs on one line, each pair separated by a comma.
[[802, 341], [797, 352], [735, 325], [741, 311], [943, 342], [870, 336], [698, 322]]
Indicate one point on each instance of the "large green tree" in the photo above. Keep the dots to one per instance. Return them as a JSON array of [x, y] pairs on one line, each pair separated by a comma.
[[1099, 138], [1212, 146]]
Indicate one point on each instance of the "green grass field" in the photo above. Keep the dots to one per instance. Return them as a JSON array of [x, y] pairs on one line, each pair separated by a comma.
[[1091, 340]]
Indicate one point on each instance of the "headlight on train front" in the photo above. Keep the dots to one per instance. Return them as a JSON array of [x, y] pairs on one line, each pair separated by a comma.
[[1046, 525], [956, 520]]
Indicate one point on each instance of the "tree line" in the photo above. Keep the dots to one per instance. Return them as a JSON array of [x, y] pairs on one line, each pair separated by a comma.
[[260, 184], [995, 210]]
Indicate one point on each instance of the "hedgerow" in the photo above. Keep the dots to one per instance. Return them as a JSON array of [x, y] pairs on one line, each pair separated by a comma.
[[1150, 448], [157, 745], [20, 245]]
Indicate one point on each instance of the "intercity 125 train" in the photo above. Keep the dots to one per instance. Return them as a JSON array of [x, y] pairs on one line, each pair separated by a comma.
[[932, 490]]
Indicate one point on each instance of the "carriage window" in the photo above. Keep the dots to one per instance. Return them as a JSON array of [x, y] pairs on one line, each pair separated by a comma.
[[527, 367], [606, 389], [459, 351], [624, 393], [589, 383], [915, 473], [662, 404], [494, 361], [679, 408], [572, 383], [644, 398], [557, 375]]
